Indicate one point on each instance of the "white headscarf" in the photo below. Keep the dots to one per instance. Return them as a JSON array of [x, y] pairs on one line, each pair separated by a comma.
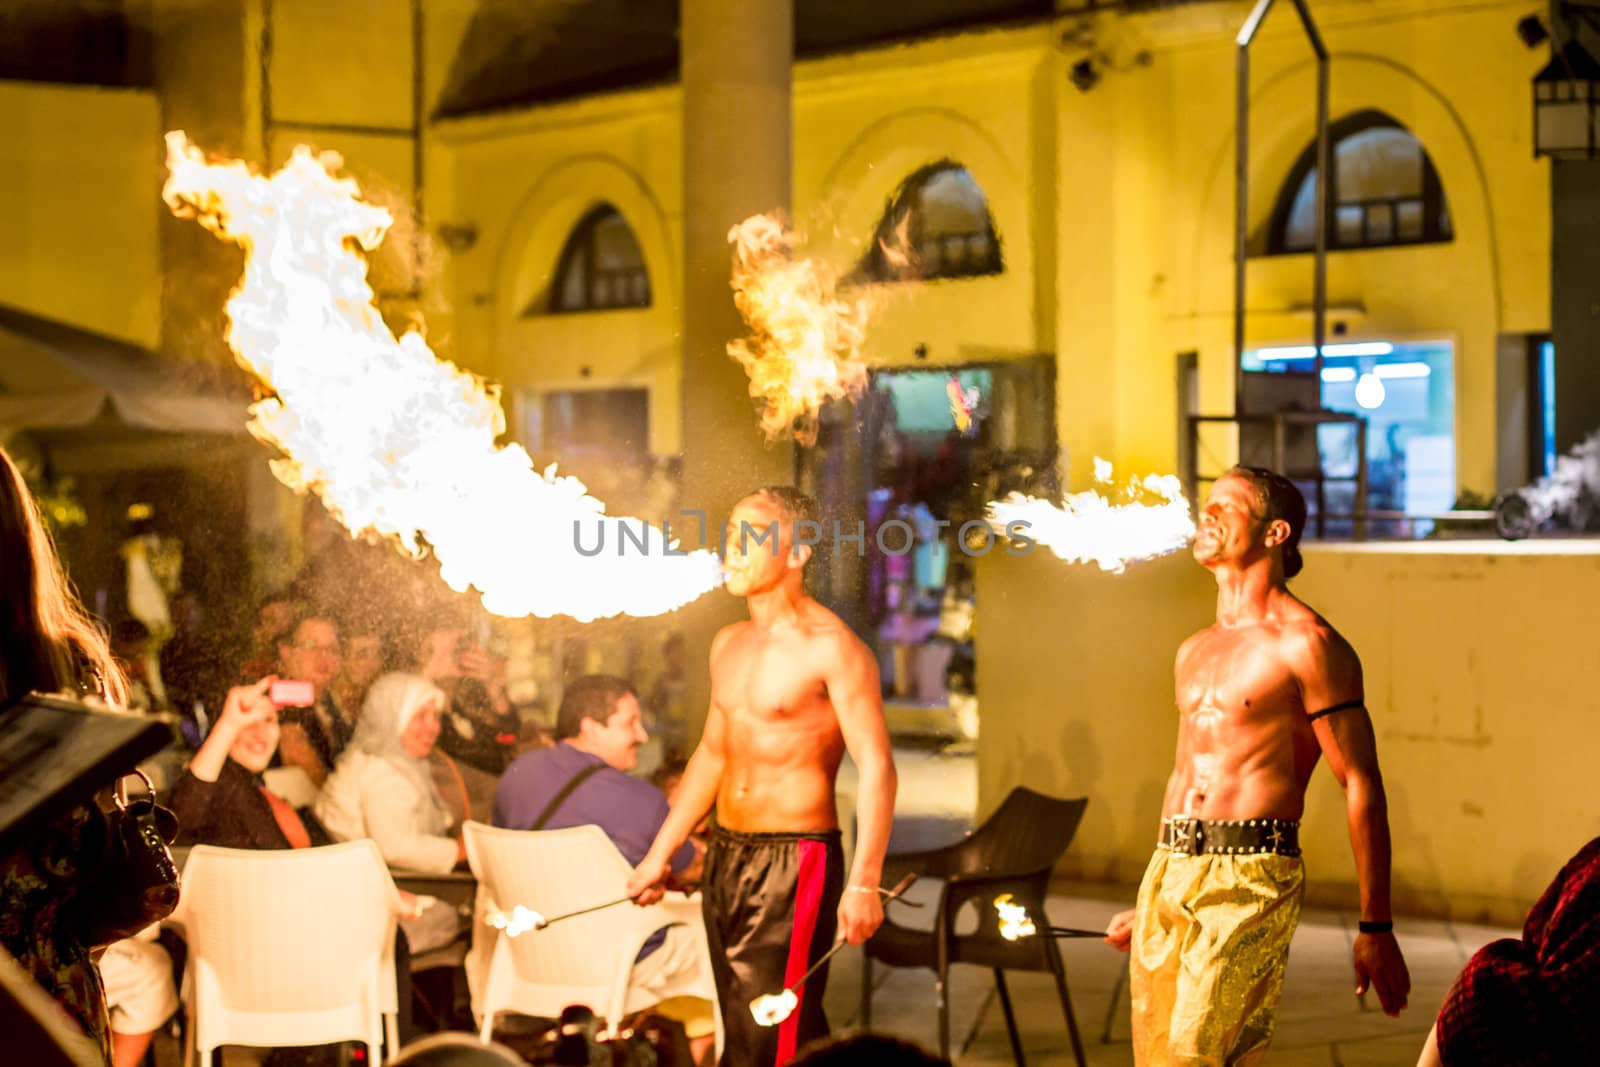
[[392, 702]]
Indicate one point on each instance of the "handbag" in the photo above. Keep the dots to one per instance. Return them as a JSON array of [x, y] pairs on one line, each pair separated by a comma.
[[136, 884]]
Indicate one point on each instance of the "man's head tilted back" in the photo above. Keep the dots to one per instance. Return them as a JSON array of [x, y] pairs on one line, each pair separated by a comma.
[[1279, 499]]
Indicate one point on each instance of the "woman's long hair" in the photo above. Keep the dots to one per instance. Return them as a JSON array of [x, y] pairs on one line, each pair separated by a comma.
[[48, 643]]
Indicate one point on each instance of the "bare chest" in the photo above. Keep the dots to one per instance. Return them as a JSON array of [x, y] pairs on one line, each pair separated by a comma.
[[1235, 677], [766, 678]]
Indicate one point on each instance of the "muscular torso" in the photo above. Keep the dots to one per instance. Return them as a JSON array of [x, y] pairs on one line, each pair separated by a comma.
[[782, 742], [1246, 748]]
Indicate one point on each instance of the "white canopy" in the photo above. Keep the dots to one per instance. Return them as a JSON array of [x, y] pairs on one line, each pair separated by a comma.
[[54, 376]]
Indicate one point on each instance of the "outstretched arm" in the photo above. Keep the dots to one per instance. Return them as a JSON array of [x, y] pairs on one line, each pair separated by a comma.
[[854, 690], [1332, 676], [697, 792]]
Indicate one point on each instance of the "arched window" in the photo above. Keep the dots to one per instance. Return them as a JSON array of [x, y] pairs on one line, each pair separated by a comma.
[[600, 268], [1382, 191], [937, 225]]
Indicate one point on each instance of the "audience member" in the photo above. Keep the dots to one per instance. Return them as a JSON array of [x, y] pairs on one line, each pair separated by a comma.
[[583, 780], [51, 646], [314, 736], [361, 664], [221, 799], [382, 788], [140, 992], [1531, 1002], [480, 728], [275, 615]]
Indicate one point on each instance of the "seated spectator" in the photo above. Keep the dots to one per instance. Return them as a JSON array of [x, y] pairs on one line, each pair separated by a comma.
[[583, 780], [480, 727], [314, 736], [1531, 1002], [361, 664], [382, 787], [140, 992], [221, 799], [275, 616]]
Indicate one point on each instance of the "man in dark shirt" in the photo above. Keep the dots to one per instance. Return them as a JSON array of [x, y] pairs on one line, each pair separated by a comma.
[[315, 735], [599, 731]]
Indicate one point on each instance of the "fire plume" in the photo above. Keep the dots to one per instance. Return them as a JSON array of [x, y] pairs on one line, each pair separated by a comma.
[[1090, 527], [393, 440], [804, 347]]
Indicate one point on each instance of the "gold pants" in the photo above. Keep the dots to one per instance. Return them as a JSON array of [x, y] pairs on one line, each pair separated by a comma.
[[1210, 944]]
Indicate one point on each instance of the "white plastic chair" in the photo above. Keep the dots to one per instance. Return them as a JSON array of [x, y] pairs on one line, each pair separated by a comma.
[[290, 947], [292, 784], [584, 960]]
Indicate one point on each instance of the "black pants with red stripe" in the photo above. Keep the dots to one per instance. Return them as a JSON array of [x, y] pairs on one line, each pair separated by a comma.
[[771, 906]]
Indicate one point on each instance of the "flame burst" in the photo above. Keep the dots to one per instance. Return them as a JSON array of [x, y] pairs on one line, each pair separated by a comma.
[[1088, 527], [773, 1008], [1015, 923], [520, 920], [805, 342], [394, 440]]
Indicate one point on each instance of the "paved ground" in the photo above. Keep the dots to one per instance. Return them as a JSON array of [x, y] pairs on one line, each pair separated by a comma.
[[1321, 1022]]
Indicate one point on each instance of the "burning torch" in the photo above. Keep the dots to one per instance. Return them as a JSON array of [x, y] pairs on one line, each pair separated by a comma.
[[772, 1008], [1016, 923], [521, 920]]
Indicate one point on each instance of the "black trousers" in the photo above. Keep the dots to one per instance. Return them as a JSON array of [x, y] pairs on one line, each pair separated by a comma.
[[771, 908]]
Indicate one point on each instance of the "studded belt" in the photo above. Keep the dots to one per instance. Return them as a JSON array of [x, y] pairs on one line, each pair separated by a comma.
[[1196, 837]]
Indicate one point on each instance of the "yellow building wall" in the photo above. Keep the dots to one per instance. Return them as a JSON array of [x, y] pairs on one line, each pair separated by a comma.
[[523, 182], [80, 185], [1452, 74], [1114, 207], [1487, 720]]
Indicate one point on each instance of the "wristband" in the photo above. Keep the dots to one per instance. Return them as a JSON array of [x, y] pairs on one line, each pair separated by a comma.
[[1386, 927]]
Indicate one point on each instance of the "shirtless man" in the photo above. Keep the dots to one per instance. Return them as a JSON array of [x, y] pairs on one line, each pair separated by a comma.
[[1261, 695], [791, 690]]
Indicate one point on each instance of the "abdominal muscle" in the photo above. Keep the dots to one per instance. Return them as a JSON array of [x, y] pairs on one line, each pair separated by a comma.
[[1261, 774], [779, 773]]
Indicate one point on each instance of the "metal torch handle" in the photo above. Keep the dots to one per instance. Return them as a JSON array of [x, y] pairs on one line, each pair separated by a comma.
[[899, 887], [586, 911]]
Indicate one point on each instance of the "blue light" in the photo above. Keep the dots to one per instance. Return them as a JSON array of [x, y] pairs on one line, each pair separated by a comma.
[[1547, 403]]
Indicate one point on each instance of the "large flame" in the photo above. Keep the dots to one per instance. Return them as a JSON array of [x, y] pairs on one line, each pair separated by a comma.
[[1088, 527], [394, 440], [806, 336]]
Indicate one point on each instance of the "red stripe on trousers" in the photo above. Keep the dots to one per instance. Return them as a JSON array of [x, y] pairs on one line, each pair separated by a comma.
[[807, 903]]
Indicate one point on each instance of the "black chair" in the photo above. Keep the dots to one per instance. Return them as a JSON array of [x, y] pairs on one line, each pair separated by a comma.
[[1013, 852]]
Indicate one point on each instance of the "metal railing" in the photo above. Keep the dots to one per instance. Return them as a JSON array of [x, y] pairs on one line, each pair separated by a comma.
[[1281, 422]]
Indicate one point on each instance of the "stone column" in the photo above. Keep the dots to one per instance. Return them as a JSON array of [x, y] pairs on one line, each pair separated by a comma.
[[737, 60]]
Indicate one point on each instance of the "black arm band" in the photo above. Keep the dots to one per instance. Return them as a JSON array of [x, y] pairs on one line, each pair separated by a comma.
[[1376, 928], [1347, 705]]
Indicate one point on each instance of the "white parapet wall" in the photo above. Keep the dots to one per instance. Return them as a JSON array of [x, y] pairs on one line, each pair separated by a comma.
[[1482, 674]]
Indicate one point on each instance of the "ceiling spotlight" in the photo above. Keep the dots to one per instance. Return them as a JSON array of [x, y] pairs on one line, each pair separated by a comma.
[[1532, 32], [1084, 75]]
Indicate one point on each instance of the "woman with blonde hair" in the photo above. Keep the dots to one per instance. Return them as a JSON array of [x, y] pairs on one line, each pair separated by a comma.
[[48, 644]]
